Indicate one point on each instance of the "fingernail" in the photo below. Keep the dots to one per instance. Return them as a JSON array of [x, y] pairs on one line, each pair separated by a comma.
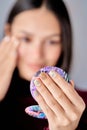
[[7, 38], [52, 73], [36, 93], [36, 82], [43, 75], [16, 42]]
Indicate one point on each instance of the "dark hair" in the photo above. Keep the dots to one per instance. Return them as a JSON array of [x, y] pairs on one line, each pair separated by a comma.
[[59, 9]]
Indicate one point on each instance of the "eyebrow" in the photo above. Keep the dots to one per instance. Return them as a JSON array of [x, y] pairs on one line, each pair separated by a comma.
[[50, 35]]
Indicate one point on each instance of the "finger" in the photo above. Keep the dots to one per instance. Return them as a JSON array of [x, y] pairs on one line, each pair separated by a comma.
[[69, 91], [72, 83], [8, 45], [4, 45], [9, 55], [59, 116], [59, 95], [49, 99], [14, 44], [45, 108], [4, 40]]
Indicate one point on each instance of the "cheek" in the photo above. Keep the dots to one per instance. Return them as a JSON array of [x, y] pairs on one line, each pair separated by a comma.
[[53, 56], [21, 51], [21, 56]]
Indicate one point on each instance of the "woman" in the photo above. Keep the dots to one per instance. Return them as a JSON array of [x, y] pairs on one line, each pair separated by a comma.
[[38, 34]]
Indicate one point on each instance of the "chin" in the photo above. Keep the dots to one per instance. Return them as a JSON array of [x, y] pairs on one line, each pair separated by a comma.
[[26, 75]]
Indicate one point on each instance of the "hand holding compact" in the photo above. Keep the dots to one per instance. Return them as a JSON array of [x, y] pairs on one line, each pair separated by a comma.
[[58, 100]]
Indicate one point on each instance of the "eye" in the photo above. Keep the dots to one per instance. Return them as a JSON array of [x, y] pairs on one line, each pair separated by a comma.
[[25, 39], [53, 42]]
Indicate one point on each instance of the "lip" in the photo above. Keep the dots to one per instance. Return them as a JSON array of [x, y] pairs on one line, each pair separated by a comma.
[[35, 66]]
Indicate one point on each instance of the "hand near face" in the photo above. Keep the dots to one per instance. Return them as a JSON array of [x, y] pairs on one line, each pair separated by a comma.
[[59, 101], [8, 61]]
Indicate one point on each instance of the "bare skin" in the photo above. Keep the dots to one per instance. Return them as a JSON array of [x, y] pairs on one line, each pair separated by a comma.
[[8, 61], [64, 106]]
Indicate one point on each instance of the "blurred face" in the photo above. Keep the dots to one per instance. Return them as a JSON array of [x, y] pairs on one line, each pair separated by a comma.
[[40, 43]]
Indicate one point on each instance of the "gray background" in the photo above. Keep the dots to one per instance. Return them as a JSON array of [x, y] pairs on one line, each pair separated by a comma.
[[78, 13]]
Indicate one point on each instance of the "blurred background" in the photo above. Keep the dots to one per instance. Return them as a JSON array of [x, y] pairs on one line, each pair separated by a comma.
[[78, 14]]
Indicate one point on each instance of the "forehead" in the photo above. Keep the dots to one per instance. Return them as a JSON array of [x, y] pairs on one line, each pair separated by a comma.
[[37, 20]]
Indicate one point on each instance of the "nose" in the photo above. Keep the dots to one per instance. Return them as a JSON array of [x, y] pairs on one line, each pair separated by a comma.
[[36, 51]]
